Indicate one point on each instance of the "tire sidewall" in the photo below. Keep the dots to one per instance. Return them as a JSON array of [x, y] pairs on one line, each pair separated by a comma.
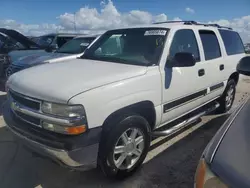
[[106, 154], [231, 83]]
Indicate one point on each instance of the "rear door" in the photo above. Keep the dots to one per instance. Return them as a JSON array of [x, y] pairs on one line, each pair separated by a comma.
[[213, 62]]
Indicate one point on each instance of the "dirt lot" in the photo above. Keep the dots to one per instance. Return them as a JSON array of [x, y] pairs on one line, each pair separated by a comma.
[[171, 162]]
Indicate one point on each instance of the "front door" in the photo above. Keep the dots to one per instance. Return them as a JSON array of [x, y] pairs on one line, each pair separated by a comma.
[[184, 88]]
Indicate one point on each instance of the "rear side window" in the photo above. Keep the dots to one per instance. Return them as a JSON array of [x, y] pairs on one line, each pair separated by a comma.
[[62, 40], [185, 41], [210, 44], [232, 42]]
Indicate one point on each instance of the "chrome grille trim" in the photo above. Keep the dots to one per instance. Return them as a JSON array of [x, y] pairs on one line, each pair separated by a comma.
[[16, 106], [25, 97], [25, 119]]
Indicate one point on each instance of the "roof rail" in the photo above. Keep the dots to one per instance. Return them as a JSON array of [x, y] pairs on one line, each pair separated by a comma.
[[184, 22], [215, 25], [191, 22]]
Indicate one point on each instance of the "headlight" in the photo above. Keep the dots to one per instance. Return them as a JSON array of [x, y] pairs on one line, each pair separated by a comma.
[[62, 110], [205, 178], [75, 113]]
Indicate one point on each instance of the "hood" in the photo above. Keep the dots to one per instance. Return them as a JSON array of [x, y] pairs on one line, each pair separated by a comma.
[[58, 82], [231, 159], [15, 55], [19, 37], [35, 59]]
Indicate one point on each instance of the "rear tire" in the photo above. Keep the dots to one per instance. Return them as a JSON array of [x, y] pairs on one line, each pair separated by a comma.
[[227, 99], [124, 146]]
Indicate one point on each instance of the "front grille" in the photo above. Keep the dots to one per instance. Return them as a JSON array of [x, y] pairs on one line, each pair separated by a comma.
[[28, 119], [28, 102]]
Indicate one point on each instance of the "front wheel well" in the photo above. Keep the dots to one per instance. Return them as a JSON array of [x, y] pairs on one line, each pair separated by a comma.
[[145, 109], [234, 76]]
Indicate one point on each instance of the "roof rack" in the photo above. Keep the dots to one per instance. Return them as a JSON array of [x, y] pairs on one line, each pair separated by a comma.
[[184, 22], [191, 22]]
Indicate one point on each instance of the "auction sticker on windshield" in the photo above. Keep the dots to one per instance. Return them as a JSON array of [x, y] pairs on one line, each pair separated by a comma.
[[155, 32]]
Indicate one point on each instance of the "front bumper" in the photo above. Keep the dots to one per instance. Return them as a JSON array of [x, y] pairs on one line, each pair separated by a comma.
[[81, 158]]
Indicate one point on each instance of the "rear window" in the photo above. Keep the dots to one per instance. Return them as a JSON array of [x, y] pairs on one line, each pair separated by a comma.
[[232, 42]]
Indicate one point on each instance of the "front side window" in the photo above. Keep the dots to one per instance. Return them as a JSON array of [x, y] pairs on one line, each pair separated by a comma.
[[184, 41], [210, 44], [232, 42], [75, 46], [137, 46]]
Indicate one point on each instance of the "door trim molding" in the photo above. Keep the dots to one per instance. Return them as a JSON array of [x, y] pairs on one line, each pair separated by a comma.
[[216, 86], [190, 98], [184, 100]]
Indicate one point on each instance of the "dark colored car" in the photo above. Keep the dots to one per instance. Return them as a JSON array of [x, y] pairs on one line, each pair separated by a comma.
[[12, 40], [70, 50], [225, 161], [47, 43], [247, 48]]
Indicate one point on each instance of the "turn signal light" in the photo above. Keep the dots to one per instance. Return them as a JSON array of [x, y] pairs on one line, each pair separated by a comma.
[[76, 130]]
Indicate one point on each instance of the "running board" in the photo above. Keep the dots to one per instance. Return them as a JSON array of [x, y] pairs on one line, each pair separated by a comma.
[[186, 122]]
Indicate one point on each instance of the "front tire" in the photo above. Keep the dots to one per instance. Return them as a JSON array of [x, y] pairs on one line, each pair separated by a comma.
[[227, 99], [124, 147]]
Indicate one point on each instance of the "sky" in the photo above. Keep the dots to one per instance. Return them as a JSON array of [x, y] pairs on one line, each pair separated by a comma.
[[37, 17]]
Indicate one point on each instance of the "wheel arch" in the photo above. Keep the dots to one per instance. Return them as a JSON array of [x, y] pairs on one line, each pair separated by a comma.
[[234, 76], [144, 108]]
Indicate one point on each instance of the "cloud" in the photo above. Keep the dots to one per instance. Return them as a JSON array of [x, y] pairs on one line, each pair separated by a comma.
[[93, 20], [241, 25], [189, 10], [108, 17]]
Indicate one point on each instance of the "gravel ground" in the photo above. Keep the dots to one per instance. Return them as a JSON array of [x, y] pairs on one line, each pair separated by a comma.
[[171, 163]]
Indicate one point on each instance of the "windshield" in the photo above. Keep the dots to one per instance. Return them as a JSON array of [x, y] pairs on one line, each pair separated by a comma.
[[137, 46], [76, 46], [45, 41]]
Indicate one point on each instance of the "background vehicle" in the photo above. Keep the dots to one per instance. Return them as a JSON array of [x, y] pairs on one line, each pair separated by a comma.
[[47, 43], [247, 48], [70, 50], [131, 84], [12, 40], [224, 162]]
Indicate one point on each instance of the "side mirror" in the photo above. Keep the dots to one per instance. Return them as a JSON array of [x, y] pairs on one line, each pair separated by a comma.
[[243, 66], [182, 59]]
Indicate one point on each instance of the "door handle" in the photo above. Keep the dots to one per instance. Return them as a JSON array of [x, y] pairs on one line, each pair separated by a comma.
[[222, 67], [201, 72]]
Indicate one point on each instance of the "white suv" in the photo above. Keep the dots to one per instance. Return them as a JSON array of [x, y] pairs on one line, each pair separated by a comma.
[[130, 84]]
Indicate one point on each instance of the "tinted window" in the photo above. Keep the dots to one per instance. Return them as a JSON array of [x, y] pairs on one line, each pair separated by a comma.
[[45, 41], [184, 41], [75, 46], [62, 40], [232, 42], [210, 45]]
